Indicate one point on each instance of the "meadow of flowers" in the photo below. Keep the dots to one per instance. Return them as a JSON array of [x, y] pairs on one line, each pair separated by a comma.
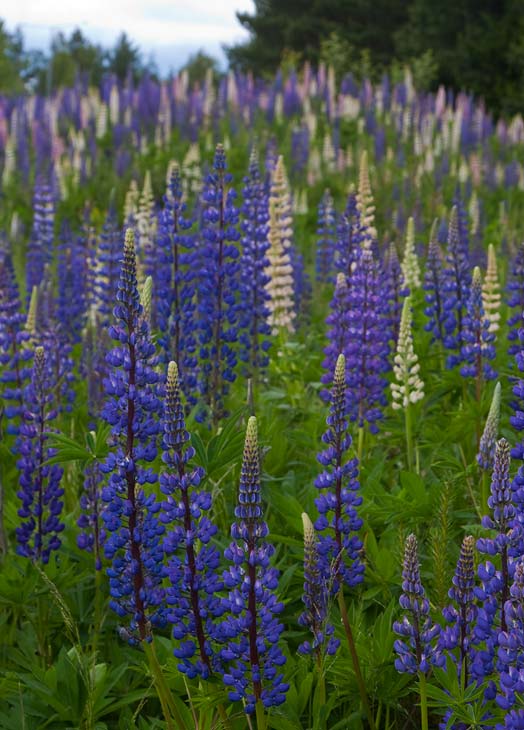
[[261, 462]]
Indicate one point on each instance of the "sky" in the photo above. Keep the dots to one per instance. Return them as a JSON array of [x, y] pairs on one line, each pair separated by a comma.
[[168, 30]]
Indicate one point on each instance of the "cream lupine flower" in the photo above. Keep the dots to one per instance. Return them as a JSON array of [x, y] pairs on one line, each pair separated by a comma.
[[280, 273], [474, 213], [365, 203], [410, 265], [131, 202], [146, 296], [491, 292], [409, 388]]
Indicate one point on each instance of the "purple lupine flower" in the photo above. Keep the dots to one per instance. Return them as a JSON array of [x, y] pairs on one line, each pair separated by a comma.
[[338, 323], [367, 344], [326, 227], [217, 288], [434, 287], [511, 643], [338, 524], [253, 319], [456, 638], [193, 562], [175, 286], [107, 267], [40, 247], [133, 541], [252, 630], [486, 453], [513, 720], [349, 236], [93, 534], [315, 598], [456, 286], [515, 291], [477, 348], [395, 290], [494, 591], [40, 490], [14, 354], [71, 303], [416, 651]]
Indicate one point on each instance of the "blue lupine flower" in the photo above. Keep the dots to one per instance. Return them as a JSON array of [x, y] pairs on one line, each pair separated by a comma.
[[192, 595], [253, 318], [252, 630], [514, 720], [338, 323], [477, 348], [218, 286], [511, 643], [434, 287], [515, 290], [40, 490], [338, 523], [349, 236], [92, 535], [72, 277], [456, 286], [455, 639], [316, 596], [486, 453], [40, 247], [107, 267], [14, 354], [325, 258], [133, 542], [367, 344], [174, 284], [416, 651], [494, 591], [394, 290]]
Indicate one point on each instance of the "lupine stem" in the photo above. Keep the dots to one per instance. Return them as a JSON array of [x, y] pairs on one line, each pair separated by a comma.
[[484, 491], [172, 716], [360, 443], [409, 437], [354, 659], [423, 701], [261, 716]]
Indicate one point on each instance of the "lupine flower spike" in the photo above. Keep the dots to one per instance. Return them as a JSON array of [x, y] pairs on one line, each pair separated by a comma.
[[491, 292], [409, 387], [280, 279], [416, 651], [252, 630], [456, 638], [133, 542], [486, 452], [40, 490], [192, 566], [494, 591], [410, 264], [316, 598], [365, 204]]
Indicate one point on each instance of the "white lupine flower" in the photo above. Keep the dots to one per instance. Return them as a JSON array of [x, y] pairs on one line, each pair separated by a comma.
[[409, 388], [365, 203], [280, 272], [491, 292], [131, 202], [410, 265]]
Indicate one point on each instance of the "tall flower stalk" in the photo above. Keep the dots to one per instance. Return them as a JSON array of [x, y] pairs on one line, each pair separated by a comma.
[[252, 630], [194, 584], [409, 387]]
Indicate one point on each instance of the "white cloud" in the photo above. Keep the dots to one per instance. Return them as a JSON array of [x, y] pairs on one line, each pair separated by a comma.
[[149, 23]]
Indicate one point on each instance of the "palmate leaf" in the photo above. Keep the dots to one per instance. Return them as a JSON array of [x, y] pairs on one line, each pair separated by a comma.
[[70, 450]]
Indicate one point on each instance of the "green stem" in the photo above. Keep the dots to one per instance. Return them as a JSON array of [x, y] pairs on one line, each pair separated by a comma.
[[484, 492], [354, 659], [360, 443], [409, 437], [379, 713], [321, 679], [261, 716], [423, 701], [171, 714]]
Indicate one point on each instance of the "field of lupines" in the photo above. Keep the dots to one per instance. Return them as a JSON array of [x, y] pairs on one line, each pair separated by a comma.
[[260, 440]]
